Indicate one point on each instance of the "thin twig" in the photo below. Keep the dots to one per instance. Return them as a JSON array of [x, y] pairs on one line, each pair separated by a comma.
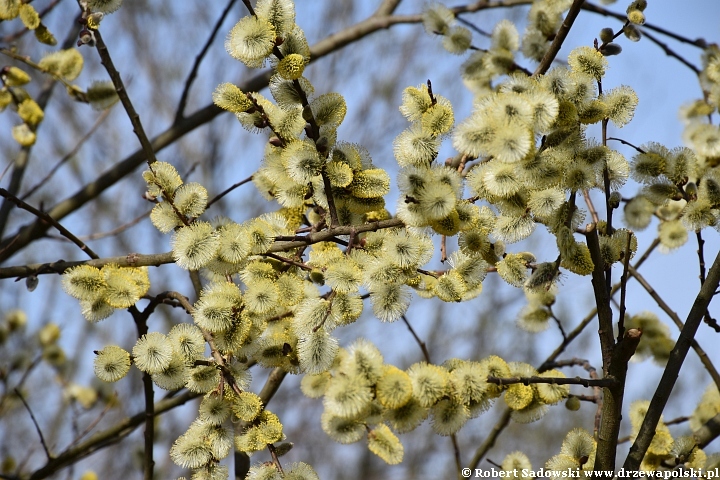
[[64, 231], [139, 260], [422, 345], [34, 421], [107, 62], [107, 437], [671, 53], [557, 42], [109, 405], [229, 189], [625, 142], [117, 230], [198, 59]]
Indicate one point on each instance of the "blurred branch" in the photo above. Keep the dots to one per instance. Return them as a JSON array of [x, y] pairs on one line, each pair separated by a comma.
[[672, 369], [47, 218], [120, 229], [422, 345], [34, 421], [23, 157], [489, 442], [179, 114], [708, 432], [10, 38], [108, 437]]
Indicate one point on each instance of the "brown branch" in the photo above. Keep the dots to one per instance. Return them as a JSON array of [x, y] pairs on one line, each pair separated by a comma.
[[602, 298], [130, 260], [420, 343], [702, 355], [47, 218], [198, 59], [107, 62], [623, 288], [562, 33], [228, 190], [648, 26], [107, 437], [612, 400], [625, 142], [670, 374], [148, 394], [585, 382], [156, 259]]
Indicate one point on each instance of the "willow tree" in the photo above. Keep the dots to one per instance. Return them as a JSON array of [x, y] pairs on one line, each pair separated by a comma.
[[271, 291]]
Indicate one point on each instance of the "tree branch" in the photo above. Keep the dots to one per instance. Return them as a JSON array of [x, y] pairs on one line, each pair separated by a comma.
[[562, 33], [47, 218], [585, 382], [108, 437], [670, 374], [702, 355], [107, 62]]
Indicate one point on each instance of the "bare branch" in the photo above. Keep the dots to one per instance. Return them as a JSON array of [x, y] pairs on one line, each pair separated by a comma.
[[670, 374], [47, 218], [198, 59], [107, 62]]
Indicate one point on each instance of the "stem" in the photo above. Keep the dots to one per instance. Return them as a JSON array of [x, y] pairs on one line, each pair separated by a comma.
[[107, 62], [562, 33], [149, 434]]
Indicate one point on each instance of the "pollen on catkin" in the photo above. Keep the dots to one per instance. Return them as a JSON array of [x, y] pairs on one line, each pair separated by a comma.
[[152, 352], [111, 363]]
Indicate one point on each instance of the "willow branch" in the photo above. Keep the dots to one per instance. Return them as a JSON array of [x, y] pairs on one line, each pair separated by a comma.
[[585, 382], [672, 370], [562, 33], [198, 59], [702, 355], [107, 62], [47, 218], [108, 437]]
